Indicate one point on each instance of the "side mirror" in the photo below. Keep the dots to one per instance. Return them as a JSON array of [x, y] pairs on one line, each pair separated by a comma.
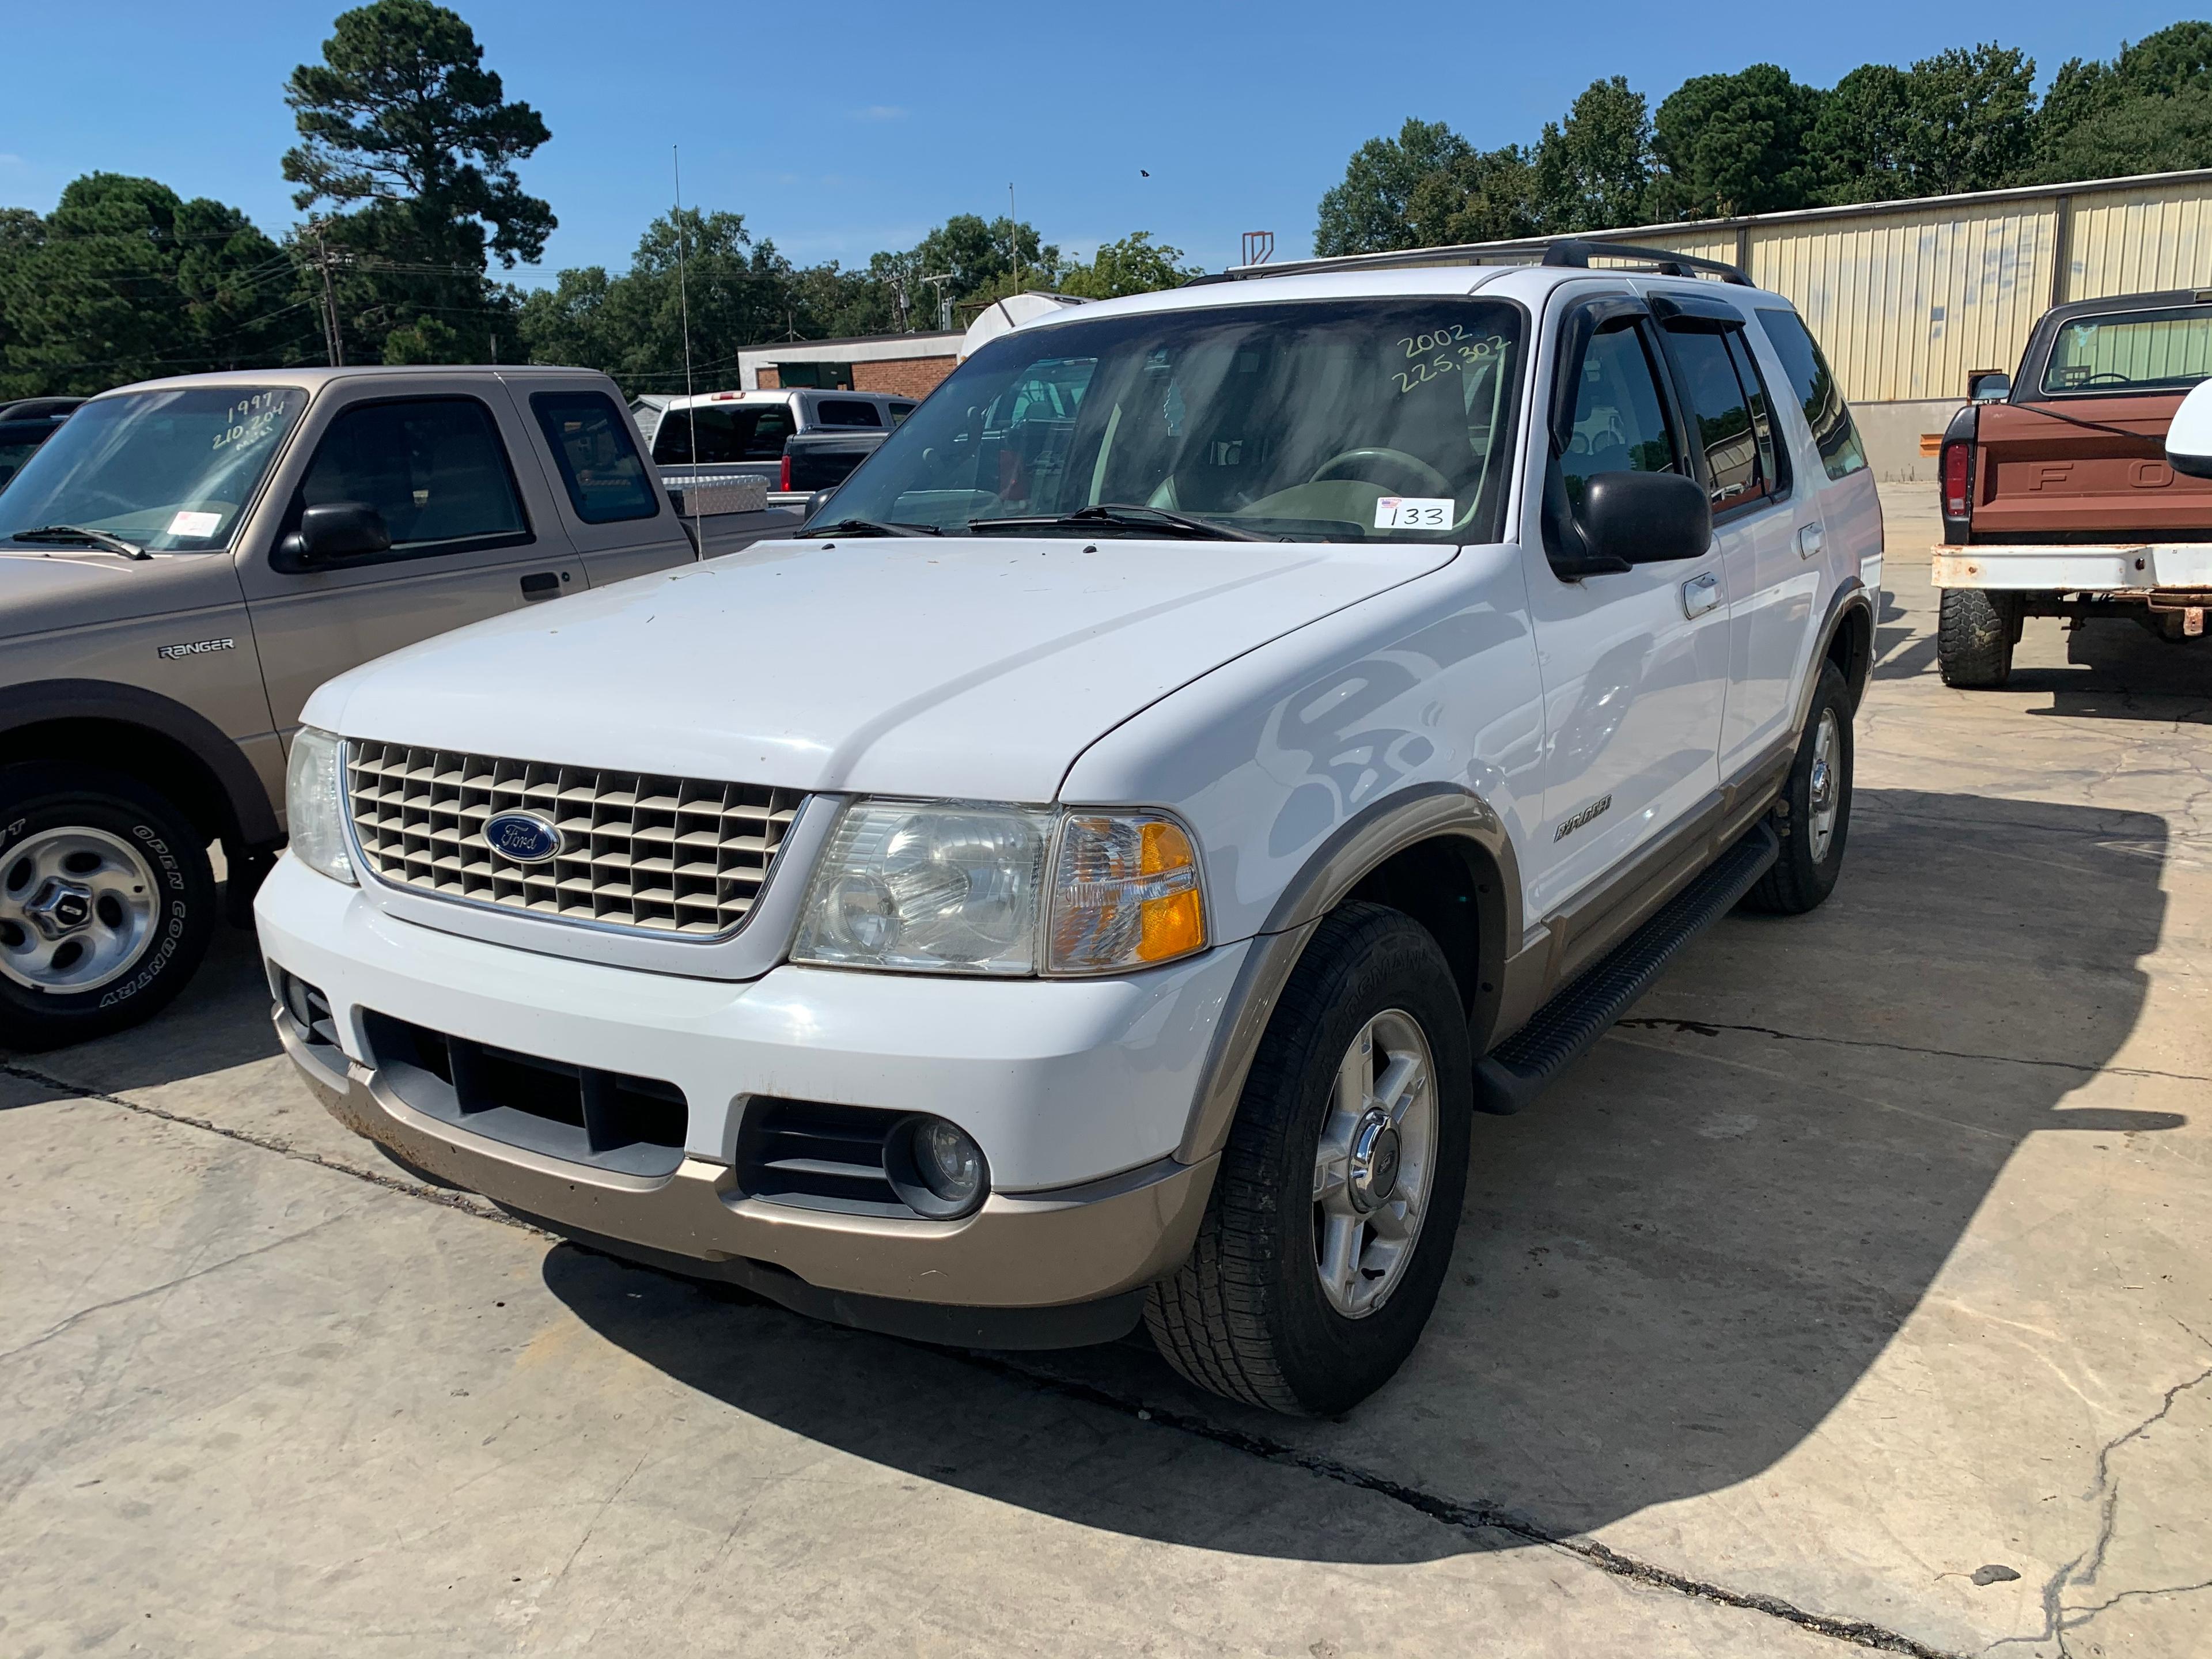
[[333, 532], [1989, 386], [2189, 439], [1645, 518]]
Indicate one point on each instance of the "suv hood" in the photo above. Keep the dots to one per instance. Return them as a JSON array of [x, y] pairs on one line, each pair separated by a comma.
[[974, 668]]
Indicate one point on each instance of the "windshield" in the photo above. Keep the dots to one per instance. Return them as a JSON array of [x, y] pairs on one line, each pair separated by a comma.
[[1357, 420], [2137, 351], [166, 470]]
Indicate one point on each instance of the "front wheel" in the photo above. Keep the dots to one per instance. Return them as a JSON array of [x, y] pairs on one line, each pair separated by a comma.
[[1330, 1222], [106, 904]]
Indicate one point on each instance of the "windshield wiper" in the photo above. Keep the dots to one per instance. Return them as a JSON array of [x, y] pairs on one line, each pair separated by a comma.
[[872, 527], [72, 532], [1126, 516]]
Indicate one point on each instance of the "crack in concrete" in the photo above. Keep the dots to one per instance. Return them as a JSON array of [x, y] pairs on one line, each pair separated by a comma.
[[52, 1332], [459, 1201], [1469, 1517], [2105, 1489], [1714, 1027]]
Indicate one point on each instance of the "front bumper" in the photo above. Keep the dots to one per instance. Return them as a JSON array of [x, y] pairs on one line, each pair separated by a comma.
[[1052, 1271], [1078, 1092]]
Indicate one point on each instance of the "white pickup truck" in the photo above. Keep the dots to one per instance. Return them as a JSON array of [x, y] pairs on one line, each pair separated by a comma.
[[1224, 739]]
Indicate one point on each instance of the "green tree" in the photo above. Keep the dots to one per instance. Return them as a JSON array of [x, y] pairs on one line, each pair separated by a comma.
[[414, 143], [1135, 265], [126, 281], [1592, 168], [987, 261], [736, 292], [1962, 120], [1483, 196], [1371, 211], [1725, 145], [2148, 110]]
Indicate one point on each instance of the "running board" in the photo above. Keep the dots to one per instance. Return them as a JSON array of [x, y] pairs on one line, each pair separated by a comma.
[[1566, 1028]]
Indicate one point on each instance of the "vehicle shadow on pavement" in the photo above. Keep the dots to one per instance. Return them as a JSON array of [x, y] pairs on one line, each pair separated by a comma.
[[2117, 672], [1670, 1271]]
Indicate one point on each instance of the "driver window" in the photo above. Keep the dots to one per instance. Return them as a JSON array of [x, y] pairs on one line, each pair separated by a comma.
[[1621, 423], [434, 467]]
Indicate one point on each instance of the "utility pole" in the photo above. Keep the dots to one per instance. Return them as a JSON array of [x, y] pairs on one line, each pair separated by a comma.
[[1013, 237], [943, 305], [332, 345], [683, 311]]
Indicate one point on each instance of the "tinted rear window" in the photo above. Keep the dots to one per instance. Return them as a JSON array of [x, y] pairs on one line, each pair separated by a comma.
[[846, 411], [604, 475], [1826, 412]]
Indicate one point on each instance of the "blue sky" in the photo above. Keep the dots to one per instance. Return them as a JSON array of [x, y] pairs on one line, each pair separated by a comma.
[[838, 130]]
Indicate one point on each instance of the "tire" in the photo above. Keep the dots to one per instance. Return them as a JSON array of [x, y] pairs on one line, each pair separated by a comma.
[[106, 904], [1813, 818], [1248, 1315], [1974, 636]]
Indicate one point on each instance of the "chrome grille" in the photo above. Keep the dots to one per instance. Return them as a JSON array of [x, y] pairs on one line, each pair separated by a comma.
[[668, 855]]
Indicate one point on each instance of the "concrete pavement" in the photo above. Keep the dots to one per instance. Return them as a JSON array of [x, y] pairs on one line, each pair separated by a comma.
[[1851, 1293]]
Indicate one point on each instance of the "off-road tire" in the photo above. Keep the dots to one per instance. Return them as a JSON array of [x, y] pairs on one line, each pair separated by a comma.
[[1975, 633], [42, 796], [1798, 881], [1246, 1316]]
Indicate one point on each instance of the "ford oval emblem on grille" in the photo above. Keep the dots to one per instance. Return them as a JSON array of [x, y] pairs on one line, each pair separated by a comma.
[[525, 837]]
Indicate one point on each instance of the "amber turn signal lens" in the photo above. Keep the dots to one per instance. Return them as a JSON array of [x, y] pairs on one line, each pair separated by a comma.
[[1125, 894]]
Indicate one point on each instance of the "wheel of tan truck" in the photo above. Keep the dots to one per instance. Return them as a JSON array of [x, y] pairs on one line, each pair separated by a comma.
[[1330, 1222], [106, 904], [1974, 637]]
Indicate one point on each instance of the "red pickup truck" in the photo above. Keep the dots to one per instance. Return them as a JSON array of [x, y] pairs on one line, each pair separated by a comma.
[[2057, 499]]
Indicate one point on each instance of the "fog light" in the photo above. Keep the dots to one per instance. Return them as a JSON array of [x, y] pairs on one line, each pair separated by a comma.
[[937, 1168]]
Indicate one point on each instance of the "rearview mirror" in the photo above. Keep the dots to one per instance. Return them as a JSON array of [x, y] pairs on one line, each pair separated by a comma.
[[1989, 387], [1645, 518], [2189, 439], [335, 530]]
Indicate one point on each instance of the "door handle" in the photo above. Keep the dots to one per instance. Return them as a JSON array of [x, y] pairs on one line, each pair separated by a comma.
[[1700, 594], [1810, 540], [542, 584]]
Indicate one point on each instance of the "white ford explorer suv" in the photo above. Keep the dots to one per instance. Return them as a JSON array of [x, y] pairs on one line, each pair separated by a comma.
[[1221, 740]]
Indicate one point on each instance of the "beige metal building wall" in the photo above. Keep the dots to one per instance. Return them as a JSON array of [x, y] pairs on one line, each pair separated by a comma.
[[1906, 306], [1907, 298], [2134, 241]]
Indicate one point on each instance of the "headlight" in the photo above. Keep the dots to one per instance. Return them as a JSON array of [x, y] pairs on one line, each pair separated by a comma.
[[948, 888], [930, 888], [1125, 894], [314, 804]]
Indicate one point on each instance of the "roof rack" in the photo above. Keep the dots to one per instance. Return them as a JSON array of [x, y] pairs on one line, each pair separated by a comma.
[[1574, 251], [1579, 253]]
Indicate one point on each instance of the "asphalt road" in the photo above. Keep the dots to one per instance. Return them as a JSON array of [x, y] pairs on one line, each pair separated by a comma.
[[1852, 1290]]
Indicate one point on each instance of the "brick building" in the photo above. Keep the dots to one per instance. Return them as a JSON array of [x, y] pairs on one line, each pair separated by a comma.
[[904, 365]]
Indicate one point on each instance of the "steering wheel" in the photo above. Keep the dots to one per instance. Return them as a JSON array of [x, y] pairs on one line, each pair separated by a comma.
[[2109, 375], [1354, 463]]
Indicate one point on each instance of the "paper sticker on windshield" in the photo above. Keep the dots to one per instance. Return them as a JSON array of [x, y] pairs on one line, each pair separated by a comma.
[[195, 524], [1414, 512]]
